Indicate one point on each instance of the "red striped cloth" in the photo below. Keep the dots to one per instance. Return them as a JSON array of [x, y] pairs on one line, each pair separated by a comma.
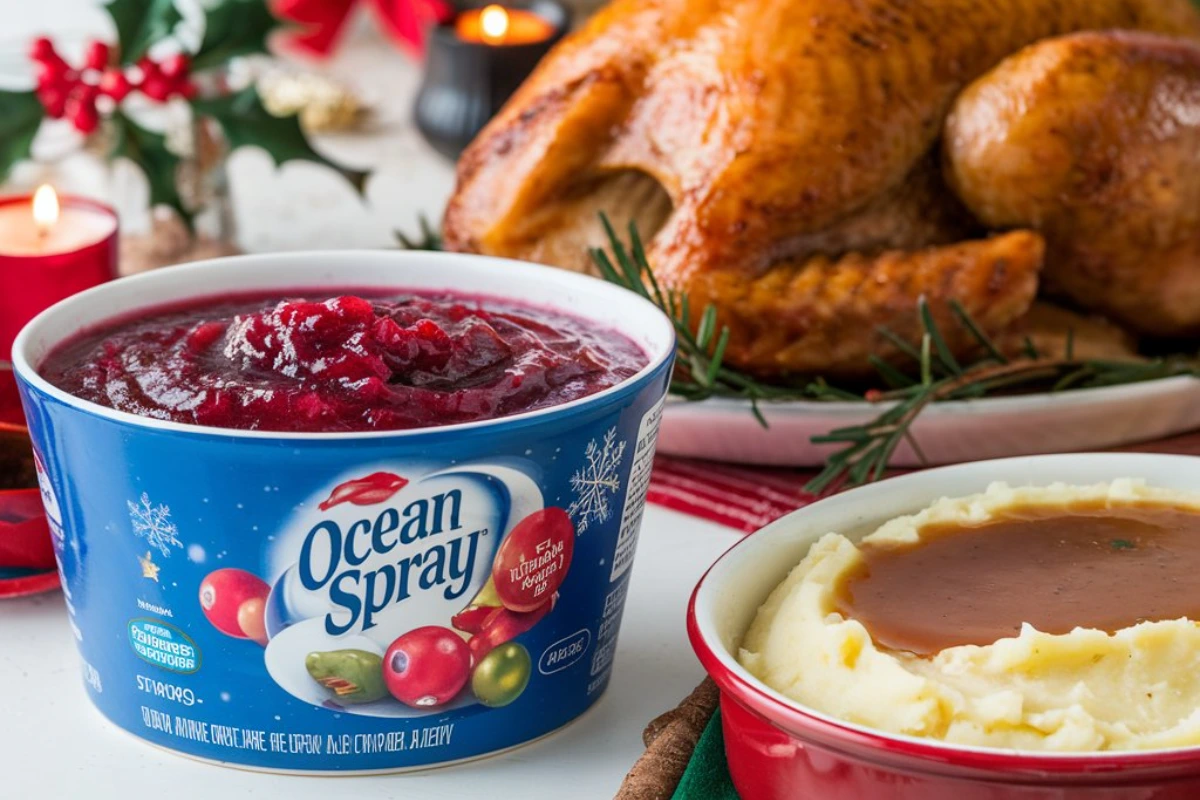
[[747, 498]]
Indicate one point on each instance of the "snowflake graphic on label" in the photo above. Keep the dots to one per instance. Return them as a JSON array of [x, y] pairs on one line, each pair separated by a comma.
[[154, 524], [596, 481]]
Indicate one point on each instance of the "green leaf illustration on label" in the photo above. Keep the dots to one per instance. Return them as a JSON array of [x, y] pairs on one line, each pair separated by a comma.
[[354, 676]]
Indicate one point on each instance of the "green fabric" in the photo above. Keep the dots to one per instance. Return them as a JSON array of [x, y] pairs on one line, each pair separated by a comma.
[[707, 774]]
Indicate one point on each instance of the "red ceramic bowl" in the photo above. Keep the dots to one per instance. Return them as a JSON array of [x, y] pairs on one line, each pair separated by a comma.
[[778, 748]]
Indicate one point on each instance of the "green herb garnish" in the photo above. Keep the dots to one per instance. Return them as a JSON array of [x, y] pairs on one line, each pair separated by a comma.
[[429, 238], [930, 374]]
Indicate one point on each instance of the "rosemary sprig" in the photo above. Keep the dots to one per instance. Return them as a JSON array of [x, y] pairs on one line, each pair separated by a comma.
[[934, 374], [875, 441], [700, 371], [429, 239]]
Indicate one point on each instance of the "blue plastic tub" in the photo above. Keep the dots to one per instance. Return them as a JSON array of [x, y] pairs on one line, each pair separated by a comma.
[[180, 546]]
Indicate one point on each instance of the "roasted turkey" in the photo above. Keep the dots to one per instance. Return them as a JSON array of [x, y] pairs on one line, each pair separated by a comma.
[[783, 158], [1094, 140]]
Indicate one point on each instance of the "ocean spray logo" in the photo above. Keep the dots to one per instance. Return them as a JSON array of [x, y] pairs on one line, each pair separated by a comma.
[[411, 540], [438, 551]]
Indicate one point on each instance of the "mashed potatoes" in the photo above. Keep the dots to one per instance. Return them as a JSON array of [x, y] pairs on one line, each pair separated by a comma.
[[1087, 690]]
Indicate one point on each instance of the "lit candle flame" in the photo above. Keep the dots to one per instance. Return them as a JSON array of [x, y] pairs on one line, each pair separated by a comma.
[[494, 22], [45, 208]]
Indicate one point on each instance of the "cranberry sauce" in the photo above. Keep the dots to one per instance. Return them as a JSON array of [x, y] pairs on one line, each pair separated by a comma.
[[347, 363]]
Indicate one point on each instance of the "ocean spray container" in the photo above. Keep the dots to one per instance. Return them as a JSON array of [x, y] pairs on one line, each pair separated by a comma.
[[350, 602]]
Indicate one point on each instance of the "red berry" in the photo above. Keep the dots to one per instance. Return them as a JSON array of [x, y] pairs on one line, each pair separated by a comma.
[[251, 618], [148, 67], [187, 89], [114, 84], [86, 119], [175, 66], [427, 667], [50, 75], [222, 595], [54, 100], [54, 72], [156, 87], [86, 92], [96, 55], [533, 559], [42, 49], [80, 108]]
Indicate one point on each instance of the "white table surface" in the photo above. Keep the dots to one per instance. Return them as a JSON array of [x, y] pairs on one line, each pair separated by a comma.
[[54, 745]]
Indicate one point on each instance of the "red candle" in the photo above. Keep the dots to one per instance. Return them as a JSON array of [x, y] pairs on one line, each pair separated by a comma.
[[49, 249]]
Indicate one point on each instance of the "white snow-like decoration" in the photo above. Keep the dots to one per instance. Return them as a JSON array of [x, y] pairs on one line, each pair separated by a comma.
[[597, 481], [154, 524]]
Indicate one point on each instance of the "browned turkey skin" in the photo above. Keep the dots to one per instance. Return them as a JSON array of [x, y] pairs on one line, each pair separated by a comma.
[[793, 143], [1094, 140]]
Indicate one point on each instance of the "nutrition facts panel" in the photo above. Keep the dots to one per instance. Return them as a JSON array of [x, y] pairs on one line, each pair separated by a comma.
[[639, 479]]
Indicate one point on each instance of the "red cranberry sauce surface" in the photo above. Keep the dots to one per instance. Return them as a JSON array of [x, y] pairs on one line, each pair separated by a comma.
[[346, 363]]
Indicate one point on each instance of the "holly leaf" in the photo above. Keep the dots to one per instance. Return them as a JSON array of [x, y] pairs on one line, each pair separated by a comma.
[[141, 23], [234, 28], [21, 114], [149, 151], [247, 123]]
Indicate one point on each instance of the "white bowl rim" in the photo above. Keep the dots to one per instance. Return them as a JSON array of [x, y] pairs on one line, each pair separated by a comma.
[[702, 606], [269, 264]]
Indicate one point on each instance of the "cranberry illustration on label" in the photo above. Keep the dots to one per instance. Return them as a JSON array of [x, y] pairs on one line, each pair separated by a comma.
[[374, 488], [251, 618], [533, 560], [233, 600], [427, 666], [503, 625], [471, 618]]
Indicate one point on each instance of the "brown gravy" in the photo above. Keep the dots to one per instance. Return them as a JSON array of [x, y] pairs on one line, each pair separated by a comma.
[[1056, 568]]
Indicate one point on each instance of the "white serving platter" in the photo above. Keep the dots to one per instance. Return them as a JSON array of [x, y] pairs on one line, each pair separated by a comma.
[[947, 433]]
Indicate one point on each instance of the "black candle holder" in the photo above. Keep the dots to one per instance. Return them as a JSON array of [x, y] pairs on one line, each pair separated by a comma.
[[466, 83]]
